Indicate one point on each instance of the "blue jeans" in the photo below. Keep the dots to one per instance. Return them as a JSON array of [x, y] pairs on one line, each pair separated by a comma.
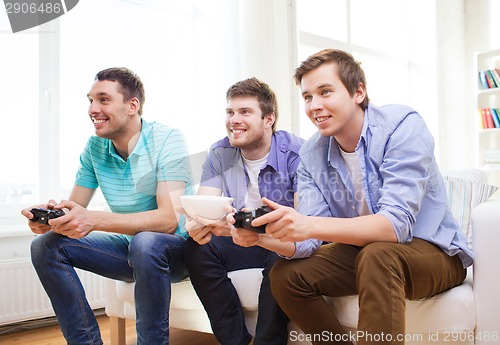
[[152, 260], [208, 266]]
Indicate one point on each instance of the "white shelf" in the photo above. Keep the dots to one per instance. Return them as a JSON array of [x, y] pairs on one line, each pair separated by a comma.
[[487, 92], [489, 54], [491, 167], [488, 139], [489, 131]]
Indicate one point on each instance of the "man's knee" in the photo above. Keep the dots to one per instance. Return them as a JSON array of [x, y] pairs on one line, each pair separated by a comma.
[[217, 250], [193, 253], [281, 276], [37, 249], [277, 271], [41, 245], [378, 257], [145, 246]]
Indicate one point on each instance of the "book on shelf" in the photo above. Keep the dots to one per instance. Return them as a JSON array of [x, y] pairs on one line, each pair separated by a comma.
[[496, 76], [494, 116], [490, 117], [482, 80], [489, 79]]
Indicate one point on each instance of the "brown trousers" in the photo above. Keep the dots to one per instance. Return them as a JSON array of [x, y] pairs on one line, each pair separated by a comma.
[[382, 274]]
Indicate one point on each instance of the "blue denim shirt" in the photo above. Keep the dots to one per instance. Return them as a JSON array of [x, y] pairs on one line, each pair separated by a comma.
[[224, 169], [401, 181]]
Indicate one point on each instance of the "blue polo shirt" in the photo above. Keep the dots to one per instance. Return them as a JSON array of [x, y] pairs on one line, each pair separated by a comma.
[[224, 169], [129, 186]]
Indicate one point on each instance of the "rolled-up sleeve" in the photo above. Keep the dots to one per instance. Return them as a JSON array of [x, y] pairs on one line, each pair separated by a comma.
[[405, 174]]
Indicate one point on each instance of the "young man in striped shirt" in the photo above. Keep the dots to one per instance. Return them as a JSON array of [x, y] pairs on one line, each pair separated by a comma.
[[142, 169]]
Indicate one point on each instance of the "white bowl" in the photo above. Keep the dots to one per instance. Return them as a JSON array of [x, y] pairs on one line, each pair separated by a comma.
[[206, 206]]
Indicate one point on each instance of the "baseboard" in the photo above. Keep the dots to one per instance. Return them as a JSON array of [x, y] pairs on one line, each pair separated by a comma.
[[36, 323]]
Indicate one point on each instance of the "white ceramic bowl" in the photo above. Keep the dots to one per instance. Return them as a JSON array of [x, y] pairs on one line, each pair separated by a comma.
[[206, 206]]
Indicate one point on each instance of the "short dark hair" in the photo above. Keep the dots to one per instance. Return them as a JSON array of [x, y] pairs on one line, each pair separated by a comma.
[[130, 84], [265, 96], [350, 72]]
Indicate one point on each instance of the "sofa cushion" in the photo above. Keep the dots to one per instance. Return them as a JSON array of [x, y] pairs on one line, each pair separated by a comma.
[[451, 310], [466, 189], [246, 282], [183, 295]]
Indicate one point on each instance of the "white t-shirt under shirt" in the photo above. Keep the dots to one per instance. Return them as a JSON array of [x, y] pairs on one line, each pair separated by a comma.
[[352, 163], [253, 197]]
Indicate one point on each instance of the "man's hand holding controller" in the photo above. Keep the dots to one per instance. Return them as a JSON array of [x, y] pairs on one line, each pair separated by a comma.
[[40, 215], [78, 222]]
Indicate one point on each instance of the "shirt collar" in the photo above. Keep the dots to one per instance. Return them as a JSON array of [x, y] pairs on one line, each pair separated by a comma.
[[272, 159], [333, 146], [140, 148], [333, 152]]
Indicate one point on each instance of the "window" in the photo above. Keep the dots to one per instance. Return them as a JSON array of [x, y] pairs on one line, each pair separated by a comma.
[[174, 46], [20, 137], [395, 41], [187, 53]]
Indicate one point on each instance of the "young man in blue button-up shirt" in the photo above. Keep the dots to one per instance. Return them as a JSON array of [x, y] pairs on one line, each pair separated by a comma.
[[252, 162], [370, 186]]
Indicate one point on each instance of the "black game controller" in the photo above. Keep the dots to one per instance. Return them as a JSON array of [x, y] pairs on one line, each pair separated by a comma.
[[244, 219], [42, 215]]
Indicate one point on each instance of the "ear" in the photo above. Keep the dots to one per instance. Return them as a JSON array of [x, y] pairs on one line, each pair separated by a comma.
[[360, 94], [134, 105], [269, 119]]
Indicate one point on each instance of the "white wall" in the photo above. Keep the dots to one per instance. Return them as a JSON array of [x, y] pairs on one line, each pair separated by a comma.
[[481, 34], [465, 27], [267, 45], [454, 122]]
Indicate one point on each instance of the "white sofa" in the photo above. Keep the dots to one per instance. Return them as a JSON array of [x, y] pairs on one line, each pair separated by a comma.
[[467, 314]]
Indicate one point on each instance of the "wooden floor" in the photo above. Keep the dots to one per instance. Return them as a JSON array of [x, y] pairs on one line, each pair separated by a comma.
[[51, 335]]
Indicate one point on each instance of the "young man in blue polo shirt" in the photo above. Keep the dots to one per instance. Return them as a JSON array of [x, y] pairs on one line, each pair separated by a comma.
[[368, 184], [252, 162], [142, 169]]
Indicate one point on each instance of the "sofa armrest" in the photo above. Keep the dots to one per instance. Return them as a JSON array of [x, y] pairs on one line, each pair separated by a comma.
[[486, 236]]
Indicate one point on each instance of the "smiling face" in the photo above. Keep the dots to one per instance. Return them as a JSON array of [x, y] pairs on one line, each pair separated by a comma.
[[246, 129], [330, 107], [110, 113]]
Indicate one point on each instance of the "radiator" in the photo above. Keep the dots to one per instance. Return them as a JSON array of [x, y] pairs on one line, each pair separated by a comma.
[[22, 296]]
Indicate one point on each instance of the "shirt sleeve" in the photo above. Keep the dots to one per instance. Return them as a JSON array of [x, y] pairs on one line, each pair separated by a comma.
[[293, 168], [211, 175], [408, 157], [85, 176], [305, 248]]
